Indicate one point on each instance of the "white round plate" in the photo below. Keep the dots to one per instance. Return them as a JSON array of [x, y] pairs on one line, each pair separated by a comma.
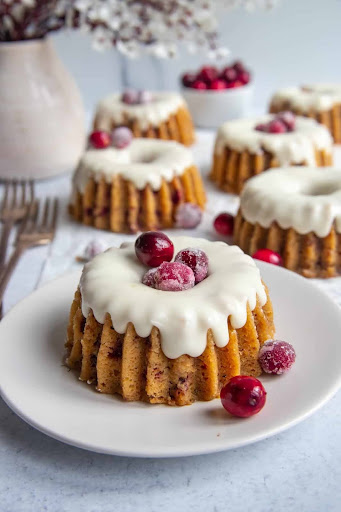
[[42, 391]]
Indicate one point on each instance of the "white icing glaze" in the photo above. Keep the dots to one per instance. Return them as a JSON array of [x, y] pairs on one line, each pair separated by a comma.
[[143, 161], [306, 199], [289, 148], [163, 105], [111, 283], [317, 97]]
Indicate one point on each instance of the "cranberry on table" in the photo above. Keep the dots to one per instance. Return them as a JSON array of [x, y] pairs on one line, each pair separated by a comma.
[[243, 396], [224, 223], [188, 216], [130, 97], [100, 139], [149, 277], [218, 84], [153, 248], [122, 137], [199, 84], [195, 259], [174, 277], [268, 256], [276, 356]]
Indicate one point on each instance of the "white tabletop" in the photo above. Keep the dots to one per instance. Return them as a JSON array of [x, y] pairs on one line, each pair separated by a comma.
[[299, 470]]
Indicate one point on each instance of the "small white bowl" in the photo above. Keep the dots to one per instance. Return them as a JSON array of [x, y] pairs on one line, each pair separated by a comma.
[[210, 109]]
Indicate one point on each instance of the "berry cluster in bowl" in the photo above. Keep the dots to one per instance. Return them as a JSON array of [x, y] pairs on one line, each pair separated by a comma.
[[212, 78]]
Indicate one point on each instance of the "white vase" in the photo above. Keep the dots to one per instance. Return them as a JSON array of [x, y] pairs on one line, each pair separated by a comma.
[[42, 121]]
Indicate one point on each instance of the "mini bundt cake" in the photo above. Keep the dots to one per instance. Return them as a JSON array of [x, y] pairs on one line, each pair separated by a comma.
[[322, 102], [295, 212], [159, 115], [170, 347], [246, 147], [139, 187]]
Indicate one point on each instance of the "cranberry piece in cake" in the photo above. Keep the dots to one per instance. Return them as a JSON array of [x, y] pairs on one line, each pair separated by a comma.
[[243, 396], [223, 224], [100, 139], [174, 277], [195, 259], [153, 248], [122, 137], [188, 216], [276, 357], [268, 256]]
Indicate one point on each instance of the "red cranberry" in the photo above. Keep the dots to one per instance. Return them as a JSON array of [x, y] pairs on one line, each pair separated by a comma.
[[288, 118], [261, 127], [276, 356], [199, 84], [243, 396], [277, 126], [188, 216], [153, 247], [208, 74], [238, 66], [195, 259], [100, 140], [122, 137], [174, 277], [145, 97], [149, 277], [188, 79], [234, 85], [130, 97], [229, 74], [223, 224], [244, 77], [268, 256], [218, 84]]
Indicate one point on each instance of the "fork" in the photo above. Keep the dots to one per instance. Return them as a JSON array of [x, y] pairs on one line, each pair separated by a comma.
[[13, 210], [33, 232]]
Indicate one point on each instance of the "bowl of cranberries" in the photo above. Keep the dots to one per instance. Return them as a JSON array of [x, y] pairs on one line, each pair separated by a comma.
[[217, 95]]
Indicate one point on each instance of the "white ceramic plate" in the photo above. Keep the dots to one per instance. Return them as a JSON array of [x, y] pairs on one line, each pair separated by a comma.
[[36, 385]]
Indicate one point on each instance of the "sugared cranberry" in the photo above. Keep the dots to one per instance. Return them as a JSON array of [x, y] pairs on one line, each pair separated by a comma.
[[243, 396], [199, 84], [188, 216], [145, 97], [195, 259], [276, 357], [174, 277], [229, 74], [223, 224], [268, 256], [208, 74], [277, 126], [122, 137], [218, 84], [244, 77], [234, 85], [188, 79], [93, 248], [130, 97], [288, 118], [149, 277], [100, 139], [261, 127], [153, 248]]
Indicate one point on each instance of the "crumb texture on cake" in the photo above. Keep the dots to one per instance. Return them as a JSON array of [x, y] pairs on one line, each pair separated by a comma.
[[168, 347]]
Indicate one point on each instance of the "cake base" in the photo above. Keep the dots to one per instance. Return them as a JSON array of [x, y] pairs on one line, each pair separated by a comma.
[[307, 255], [231, 168], [137, 369], [178, 127]]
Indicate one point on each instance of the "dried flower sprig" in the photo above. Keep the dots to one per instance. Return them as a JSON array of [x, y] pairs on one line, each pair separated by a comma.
[[133, 26]]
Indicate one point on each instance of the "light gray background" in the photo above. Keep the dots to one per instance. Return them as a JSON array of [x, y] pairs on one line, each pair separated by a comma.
[[297, 42]]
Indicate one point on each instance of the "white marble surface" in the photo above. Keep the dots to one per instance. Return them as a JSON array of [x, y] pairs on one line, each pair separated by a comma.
[[299, 470]]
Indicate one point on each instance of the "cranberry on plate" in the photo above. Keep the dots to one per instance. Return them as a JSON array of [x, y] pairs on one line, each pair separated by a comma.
[[268, 256], [243, 396], [276, 356], [153, 248], [223, 224]]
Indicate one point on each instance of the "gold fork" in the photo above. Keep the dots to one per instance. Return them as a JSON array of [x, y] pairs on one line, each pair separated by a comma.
[[32, 232]]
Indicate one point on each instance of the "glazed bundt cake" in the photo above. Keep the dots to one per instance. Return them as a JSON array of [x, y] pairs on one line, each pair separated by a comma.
[[139, 187], [246, 147], [322, 102], [295, 212], [168, 347], [158, 115]]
